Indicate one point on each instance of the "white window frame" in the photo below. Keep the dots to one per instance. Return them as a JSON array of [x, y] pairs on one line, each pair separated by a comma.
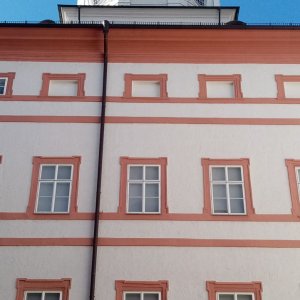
[[235, 294], [5, 85], [55, 181], [141, 294], [144, 182], [227, 183], [43, 294]]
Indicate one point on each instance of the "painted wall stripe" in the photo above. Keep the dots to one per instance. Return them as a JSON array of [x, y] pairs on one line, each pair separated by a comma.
[[149, 242], [149, 120]]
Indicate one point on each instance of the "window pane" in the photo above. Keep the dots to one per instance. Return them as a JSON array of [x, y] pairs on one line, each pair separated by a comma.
[[152, 190], [1, 90], [133, 297], [48, 172], [244, 297], [46, 189], [64, 172], [226, 297], [34, 296], [135, 190], [218, 173], [135, 205], [236, 191], [44, 204], [152, 173], [62, 189], [52, 296], [151, 296], [136, 173], [234, 174], [298, 175], [237, 206], [61, 204], [152, 205], [219, 191], [220, 206]]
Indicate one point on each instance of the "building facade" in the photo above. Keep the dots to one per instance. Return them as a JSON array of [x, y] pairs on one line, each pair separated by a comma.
[[200, 171]]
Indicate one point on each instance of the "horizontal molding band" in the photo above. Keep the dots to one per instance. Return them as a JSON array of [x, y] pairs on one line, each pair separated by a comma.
[[149, 242], [34, 98], [169, 100], [149, 120], [167, 217]]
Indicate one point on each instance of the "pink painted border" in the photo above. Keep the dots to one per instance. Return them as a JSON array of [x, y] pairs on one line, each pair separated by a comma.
[[61, 285], [47, 77], [122, 286], [161, 78], [214, 287], [10, 78], [124, 162], [37, 162], [244, 163], [235, 78]]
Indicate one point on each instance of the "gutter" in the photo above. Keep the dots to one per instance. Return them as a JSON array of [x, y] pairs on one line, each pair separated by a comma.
[[105, 29]]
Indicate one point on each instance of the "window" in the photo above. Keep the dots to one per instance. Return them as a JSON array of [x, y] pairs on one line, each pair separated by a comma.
[[227, 189], [6, 82], [143, 186], [293, 167], [43, 289], [141, 290], [288, 86], [234, 290], [141, 296], [220, 86], [54, 185], [63, 85], [43, 296], [139, 85]]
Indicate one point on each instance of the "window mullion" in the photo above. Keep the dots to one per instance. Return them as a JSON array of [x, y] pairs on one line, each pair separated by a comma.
[[227, 190], [144, 190], [54, 188]]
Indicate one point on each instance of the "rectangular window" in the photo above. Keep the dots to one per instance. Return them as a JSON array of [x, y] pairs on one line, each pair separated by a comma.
[[146, 85], [227, 188], [6, 84], [141, 290], [63, 85], [142, 296], [234, 290], [293, 167], [288, 86], [43, 296], [3, 83], [54, 185], [235, 296], [143, 186], [220, 86], [54, 189], [143, 189]]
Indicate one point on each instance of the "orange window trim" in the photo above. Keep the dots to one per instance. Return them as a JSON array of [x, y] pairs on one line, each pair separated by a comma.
[[214, 287], [291, 165], [235, 78], [244, 163], [280, 80], [61, 285], [47, 77], [122, 286], [124, 162], [37, 162], [10, 78], [161, 78]]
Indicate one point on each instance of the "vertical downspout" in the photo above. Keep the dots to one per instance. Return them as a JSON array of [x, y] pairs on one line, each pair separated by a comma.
[[100, 161]]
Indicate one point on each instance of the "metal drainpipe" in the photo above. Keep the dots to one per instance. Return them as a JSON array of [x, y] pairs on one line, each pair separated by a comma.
[[105, 27]]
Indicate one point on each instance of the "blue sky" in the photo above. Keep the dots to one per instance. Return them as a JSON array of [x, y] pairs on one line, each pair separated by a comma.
[[251, 11]]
